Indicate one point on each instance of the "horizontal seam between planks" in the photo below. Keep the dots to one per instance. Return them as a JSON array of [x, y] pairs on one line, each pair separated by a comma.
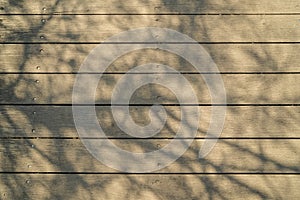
[[155, 14], [136, 105], [153, 138], [179, 72], [183, 43], [157, 173]]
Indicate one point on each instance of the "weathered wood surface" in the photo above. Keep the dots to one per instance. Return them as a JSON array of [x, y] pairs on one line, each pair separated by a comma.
[[240, 122], [230, 156], [55, 36], [116, 186], [67, 58], [148, 7], [97, 28], [240, 89]]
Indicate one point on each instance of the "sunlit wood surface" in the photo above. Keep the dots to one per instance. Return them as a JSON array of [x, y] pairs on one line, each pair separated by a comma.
[[255, 45]]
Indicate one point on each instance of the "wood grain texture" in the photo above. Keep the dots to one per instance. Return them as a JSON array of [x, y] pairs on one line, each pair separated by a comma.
[[240, 89], [42, 156], [66, 58], [240, 122], [143, 7], [97, 28], [114, 186], [230, 156]]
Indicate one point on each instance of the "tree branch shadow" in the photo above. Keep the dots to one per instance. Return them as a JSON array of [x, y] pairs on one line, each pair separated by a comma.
[[57, 169]]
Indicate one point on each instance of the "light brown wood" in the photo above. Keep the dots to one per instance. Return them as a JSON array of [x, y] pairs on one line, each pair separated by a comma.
[[230, 156], [67, 58], [153, 6], [240, 89], [41, 154], [115, 186], [63, 154], [97, 28], [241, 122]]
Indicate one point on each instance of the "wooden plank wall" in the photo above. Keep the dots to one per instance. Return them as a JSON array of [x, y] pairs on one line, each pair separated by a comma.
[[255, 44]]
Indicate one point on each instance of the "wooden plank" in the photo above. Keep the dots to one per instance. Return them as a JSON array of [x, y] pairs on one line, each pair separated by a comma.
[[240, 89], [97, 28], [65, 58], [153, 6], [227, 156], [240, 122], [117, 186]]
